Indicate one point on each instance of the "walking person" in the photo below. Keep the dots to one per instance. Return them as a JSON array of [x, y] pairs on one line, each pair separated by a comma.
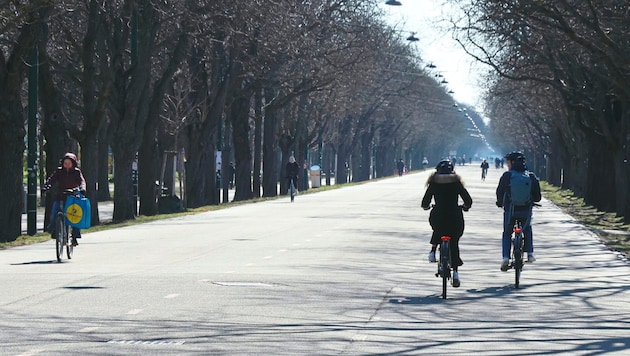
[[484, 169]]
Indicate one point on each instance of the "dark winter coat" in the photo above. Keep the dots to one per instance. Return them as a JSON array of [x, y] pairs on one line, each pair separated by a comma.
[[63, 179], [292, 169], [446, 218]]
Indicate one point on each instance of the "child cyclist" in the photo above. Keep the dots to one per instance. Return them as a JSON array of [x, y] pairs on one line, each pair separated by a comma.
[[446, 218]]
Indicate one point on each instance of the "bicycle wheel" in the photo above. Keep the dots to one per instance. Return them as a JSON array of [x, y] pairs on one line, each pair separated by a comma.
[[60, 230], [444, 253], [518, 258], [69, 247]]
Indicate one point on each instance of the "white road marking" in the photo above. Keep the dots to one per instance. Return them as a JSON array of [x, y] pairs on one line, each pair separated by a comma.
[[249, 265], [32, 352], [88, 329], [134, 311], [171, 296], [283, 250], [267, 257]]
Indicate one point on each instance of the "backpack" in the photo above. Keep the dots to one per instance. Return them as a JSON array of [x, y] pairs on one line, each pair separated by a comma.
[[520, 188]]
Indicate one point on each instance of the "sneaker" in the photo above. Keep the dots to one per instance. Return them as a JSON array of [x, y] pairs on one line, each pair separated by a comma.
[[74, 242], [456, 282], [531, 258], [505, 265], [432, 257]]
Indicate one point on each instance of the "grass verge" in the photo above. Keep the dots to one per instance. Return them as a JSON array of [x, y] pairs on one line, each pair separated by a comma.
[[609, 228]]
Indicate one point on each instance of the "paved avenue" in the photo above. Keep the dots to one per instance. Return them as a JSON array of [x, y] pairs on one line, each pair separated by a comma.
[[342, 272]]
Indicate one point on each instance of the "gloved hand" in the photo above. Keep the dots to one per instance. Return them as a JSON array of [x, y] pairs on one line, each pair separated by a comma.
[[426, 207], [465, 208], [500, 205]]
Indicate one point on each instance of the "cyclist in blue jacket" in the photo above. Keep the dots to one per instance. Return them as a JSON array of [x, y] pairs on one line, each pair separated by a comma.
[[446, 218], [516, 163]]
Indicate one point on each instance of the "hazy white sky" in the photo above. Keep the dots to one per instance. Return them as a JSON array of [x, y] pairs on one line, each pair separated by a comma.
[[436, 45]]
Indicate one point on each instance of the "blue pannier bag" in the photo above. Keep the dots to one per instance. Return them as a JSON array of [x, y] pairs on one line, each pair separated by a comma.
[[78, 212], [520, 188]]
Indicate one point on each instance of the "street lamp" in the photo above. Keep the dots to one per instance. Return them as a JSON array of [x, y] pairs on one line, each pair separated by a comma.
[[393, 2]]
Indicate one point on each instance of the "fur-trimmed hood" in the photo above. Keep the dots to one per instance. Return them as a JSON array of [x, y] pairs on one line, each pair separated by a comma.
[[444, 178]]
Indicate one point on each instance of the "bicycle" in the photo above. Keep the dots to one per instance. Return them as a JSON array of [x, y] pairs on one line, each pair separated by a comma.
[[292, 189], [444, 263], [445, 267], [484, 173], [63, 231], [518, 247]]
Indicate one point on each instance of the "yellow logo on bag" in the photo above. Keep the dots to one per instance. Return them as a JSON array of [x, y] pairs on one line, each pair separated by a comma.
[[74, 213]]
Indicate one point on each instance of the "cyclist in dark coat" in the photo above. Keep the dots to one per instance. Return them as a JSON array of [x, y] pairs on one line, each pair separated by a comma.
[[446, 218], [66, 176], [292, 169]]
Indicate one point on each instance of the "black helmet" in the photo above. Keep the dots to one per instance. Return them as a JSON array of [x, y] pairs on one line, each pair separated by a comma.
[[515, 156], [444, 167]]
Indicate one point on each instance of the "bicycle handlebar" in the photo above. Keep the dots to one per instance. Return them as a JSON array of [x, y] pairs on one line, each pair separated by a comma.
[[463, 207]]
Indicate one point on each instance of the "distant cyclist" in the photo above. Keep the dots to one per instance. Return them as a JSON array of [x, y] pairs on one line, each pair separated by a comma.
[[517, 191], [292, 169], [446, 218], [484, 169], [67, 177]]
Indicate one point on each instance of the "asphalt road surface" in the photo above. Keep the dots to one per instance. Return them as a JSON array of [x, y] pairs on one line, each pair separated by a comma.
[[342, 272]]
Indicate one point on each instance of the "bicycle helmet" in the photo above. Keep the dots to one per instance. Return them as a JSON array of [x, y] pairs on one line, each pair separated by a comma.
[[515, 156], [444, 167]]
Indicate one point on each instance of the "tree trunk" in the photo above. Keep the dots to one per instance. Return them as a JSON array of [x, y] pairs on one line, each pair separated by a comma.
[[342, 170], [103, 168], [239, 114], [124, 201], [89, 167], [601, 176], [149, 167], [258, 117], [364, 158], [12, 134], [270, 162], [12, 141]]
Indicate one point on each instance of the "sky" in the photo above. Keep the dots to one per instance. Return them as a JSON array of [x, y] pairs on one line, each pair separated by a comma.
[[436, 45]]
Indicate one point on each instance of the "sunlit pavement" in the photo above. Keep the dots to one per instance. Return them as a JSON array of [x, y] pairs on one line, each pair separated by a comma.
[[338, 272]]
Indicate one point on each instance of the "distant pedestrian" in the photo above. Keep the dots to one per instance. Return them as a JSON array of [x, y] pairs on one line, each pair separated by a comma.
[[400, 166], [484, 169]]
